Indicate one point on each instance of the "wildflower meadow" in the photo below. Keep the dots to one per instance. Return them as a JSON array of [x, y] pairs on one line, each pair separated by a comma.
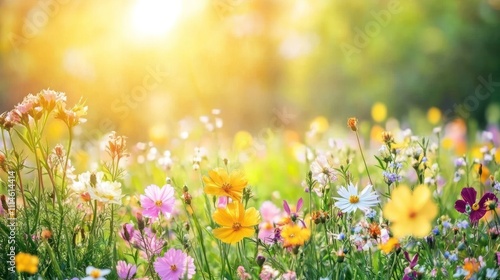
[[346, 199]]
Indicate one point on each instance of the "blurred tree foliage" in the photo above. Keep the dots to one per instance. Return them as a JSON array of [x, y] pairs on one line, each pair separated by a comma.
[[250, 57]]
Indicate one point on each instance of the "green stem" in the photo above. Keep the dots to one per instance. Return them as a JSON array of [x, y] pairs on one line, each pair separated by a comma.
[[363, 156], [55, 264]]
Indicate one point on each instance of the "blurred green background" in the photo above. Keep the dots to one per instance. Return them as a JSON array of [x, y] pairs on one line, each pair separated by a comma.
[[143, 65]]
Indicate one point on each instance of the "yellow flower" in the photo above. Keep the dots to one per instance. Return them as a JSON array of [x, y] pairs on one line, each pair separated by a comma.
[[236, 222], [220, 183], [388, 246], [294, 235], [379, 112], [434, 115], [411, 214], [26, 263], [319, 124]]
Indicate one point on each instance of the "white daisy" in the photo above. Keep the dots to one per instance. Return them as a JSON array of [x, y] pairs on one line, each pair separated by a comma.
[[350, 200], [96, 273]]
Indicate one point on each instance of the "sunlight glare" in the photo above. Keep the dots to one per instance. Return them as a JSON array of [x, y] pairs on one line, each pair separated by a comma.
[[154, 18]]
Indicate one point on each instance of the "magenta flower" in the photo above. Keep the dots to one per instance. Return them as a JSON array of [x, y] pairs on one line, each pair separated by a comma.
[[293, 214], [174, 265], [158, 201], [409, 272], [125, 270], [469, 206]]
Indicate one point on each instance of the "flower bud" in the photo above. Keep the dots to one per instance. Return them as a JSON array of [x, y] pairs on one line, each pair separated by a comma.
[[352, 123], [260, 260], [140, 221], [46, 234]]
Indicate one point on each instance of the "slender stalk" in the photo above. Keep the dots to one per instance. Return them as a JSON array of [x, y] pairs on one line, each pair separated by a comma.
[[363, 156]]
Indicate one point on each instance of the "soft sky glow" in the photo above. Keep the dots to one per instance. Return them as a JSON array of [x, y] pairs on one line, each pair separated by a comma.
[[155, 18]]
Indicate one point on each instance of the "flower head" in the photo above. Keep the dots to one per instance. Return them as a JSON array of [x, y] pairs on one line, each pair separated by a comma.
[[295, 235], [117, 146], [352, 123], [174, 265], [388, 246], [98, 188], [471, 265], [96, 273], [468, 204], [411, 213], [73, 116], [322, 170], [236, 222], [158, 201], [220, 183], [293, 214], [26, 263], [351, 200], [107, 192], [125, 270], [147, 241]]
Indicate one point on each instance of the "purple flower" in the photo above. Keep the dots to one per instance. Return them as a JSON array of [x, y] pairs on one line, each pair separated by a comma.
[[125, 270], [409, 272], [468, 205], [158, 201], [293, 215], [174, 265]]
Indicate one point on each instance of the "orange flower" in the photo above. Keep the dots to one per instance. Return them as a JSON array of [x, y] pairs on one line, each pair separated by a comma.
[[352, 123], [471, 266], [374, 230], [220, 183]]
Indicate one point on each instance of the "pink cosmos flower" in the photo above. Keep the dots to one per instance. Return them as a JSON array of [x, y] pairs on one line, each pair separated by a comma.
[[270, 215], [158, 201], [125, 270], [148, 242], [468, 204], [174, 265]]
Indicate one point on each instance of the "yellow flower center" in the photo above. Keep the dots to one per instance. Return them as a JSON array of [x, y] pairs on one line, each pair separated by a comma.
[[173, 267], [475, 206], [236, 226], [95, 273], [292, 235], [158, 203], [226, 187], [354, 199]]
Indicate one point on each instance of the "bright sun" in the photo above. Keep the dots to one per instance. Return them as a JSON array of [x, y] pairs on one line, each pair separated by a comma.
[[154, 18]]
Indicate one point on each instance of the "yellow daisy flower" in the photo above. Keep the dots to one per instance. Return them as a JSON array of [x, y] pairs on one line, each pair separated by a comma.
[[411, 213], [26, 263], [294, 235], [236, 222], [220, 183]]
